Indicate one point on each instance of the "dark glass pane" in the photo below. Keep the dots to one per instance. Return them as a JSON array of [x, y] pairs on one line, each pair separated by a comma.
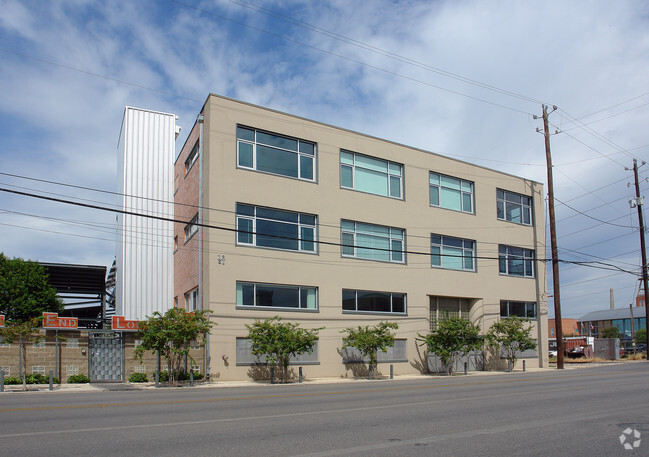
[[307, 239], [373, 301], [502, 264], [245, 134], [277, 141], [515, 266], [244, 233], [307, 148], [306, 167], [245, 155], [245, 210], [307, 219], [276, 161], [398, 303], [503, 309], [434, 195], [517, 308], [277, 235], [501, 210], [349, 300], [500, 194], [348, 244], [435, 239], [276, 214], [455, 242], [283, 297], [346, 177], [247, 295]]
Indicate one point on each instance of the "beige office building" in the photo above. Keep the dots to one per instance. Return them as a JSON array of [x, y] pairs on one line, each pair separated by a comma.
[[331, 228]]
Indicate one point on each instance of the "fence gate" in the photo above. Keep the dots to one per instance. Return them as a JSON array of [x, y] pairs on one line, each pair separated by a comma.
[[106, 356]]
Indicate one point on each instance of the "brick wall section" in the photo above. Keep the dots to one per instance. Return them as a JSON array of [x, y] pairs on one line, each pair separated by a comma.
[[74, 353], [186, 257]]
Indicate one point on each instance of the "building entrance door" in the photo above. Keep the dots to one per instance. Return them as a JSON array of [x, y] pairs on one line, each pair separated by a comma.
[[106, 356]]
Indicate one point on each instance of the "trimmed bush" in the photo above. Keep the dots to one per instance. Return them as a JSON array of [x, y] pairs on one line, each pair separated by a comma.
[[78, 379], [138, 377], [35, 378], [12, 380]]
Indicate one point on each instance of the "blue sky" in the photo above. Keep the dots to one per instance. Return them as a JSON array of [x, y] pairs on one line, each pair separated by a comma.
[[459, 78]]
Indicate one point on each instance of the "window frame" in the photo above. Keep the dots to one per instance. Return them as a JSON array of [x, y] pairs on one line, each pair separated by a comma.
[[192, 157], [462, 192], [244, 356], [527, 305], [256, 285], [299, 152], [302, 228], [505, 259], [463, 258], [390, 313], [191, 228], [502, 203], [355, 244], [191, 298], [389, 164]]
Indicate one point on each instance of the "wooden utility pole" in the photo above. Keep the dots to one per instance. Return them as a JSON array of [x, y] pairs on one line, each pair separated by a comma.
[[553, 241], [639, 202]]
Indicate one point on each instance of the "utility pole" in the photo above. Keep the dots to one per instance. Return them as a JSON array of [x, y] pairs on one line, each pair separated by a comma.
[[638, 201], [553, 241]]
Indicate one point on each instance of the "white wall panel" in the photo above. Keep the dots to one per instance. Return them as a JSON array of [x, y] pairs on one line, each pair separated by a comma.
[[145, 182]]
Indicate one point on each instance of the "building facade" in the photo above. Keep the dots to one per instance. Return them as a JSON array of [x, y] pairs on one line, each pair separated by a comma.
[[284, 216], [627, 320]]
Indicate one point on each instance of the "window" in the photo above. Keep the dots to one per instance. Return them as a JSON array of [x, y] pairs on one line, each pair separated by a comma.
[[514, 261], [274, 228], [276, 296], [71, 370], [191, 228], [139, 369], [7, 370], [514, 207], [452, 253], [191, 158], [38, 370], [442, 308], [246, 357], [371, 301], [518, 308], [272, 153], [191, 300], [451, 193], [367, 174], [396, 353], [372, 242]]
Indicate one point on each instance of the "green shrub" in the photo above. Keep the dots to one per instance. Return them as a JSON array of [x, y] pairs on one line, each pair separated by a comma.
[[35, 378], [163, 376], [78, 379], [183, 376], [12, 380], [138, 377]]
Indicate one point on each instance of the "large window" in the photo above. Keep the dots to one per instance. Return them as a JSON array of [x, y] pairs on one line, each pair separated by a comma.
[[518, 308], [516, 261], [451, 193], [272, 153], [276, 296], [372, 301], [442, 308], [191, 228], [274, 228], [372, 242], [514, 207], [368, 174], [452, 253]]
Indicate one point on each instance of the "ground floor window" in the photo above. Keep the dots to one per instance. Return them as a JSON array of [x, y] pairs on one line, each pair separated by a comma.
[[518, 308], [246, 357], [397, 353], [373, 301]]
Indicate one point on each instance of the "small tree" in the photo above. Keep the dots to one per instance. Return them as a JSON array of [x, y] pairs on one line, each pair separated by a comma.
[[611, 332], [22, 333], [278, 341], [369, 340], [171, 336], [25, 292], [513, 335], [453, 337], [641, 336]]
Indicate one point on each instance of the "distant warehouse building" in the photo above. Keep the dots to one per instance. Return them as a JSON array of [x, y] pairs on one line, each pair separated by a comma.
[[326, 227]]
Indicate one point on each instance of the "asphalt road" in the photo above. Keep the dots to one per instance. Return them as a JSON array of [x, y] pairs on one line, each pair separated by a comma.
[[579, 412]]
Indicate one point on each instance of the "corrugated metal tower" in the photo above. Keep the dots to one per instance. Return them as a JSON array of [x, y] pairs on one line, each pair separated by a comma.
[[146, 152]]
